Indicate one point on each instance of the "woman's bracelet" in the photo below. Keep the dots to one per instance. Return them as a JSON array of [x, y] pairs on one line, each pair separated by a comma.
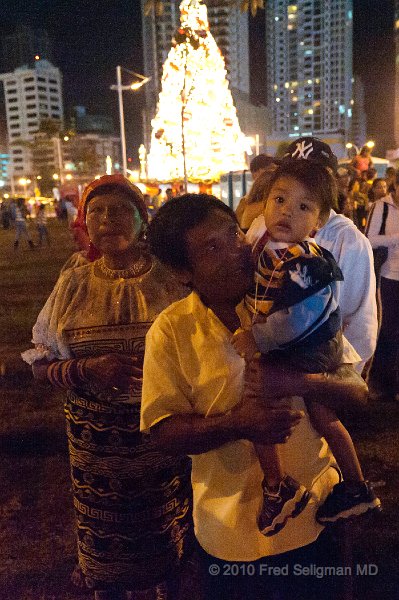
[[68, 373]]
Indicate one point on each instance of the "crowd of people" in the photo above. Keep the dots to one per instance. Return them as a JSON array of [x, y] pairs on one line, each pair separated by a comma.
[[202, 429], [19, 214]]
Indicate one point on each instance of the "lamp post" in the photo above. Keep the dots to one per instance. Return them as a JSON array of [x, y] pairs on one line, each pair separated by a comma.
[[142, 79], [57, 142]]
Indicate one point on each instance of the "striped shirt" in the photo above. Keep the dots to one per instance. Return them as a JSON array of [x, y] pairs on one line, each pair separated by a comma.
[[287, 275]]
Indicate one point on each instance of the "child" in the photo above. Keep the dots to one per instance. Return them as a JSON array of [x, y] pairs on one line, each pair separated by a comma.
[[292, 315], [41, 223]]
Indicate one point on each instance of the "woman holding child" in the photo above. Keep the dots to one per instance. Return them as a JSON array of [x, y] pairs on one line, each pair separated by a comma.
[[194, 402]]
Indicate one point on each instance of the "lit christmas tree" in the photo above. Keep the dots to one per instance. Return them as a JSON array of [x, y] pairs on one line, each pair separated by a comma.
[[195, 134]]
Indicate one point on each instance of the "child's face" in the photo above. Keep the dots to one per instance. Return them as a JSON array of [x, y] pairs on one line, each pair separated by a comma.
[[290, 213]]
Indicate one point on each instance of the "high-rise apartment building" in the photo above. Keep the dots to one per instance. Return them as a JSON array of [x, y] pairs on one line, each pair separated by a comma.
[[21, 46], [309, 63], [31, 96], [359, 119], [229, 27]]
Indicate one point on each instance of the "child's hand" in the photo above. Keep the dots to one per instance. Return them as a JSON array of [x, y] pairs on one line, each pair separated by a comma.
[[244, 343]]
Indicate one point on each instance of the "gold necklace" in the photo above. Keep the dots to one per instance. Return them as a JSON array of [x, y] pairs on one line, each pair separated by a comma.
[[132, 271]]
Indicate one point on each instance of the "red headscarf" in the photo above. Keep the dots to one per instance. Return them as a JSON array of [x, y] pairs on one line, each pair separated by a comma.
[[119, 182]]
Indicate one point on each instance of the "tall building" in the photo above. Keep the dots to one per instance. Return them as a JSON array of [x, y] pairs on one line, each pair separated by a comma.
[[32, 95], [83, 122], [20, 47], [4, 154], [229, 27], [309, 54], [359, 119], [4, 166]]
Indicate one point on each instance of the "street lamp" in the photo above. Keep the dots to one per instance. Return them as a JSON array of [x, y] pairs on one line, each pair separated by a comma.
[[24, 182], [142, 79]]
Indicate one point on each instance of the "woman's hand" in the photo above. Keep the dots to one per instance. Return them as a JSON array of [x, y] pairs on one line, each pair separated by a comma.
[[244, 344], [341, 389], [262, 424], [114, 370]]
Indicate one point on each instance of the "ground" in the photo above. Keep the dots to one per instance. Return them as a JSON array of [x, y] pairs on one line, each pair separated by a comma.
[[37, 544]]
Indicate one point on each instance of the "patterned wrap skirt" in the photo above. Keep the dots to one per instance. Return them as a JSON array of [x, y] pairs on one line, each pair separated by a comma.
[[133, 504]]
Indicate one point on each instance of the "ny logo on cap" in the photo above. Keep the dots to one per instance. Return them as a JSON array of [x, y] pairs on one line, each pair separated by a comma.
[[303, 150]]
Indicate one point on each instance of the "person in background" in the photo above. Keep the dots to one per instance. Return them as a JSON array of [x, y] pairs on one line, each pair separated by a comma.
[[150, 206], [390, 178], [384, 374], [356, 294], [41, 224], [5, 214], [168, 194], [132, 502], [378, 190], [370, 175], [157, 199], [362, 161], [71, 210], [251, 205], [21, 228], [345, 202], [361, 190], [254, 200]]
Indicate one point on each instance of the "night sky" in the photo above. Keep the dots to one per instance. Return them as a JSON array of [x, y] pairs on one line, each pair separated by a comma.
[[91, 37]]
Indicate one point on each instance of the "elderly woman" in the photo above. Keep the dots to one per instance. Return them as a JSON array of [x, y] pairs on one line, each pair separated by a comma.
[[132, 503], [193, 403]]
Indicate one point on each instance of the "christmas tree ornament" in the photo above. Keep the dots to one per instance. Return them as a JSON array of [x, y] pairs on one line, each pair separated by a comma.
[[201, 137]]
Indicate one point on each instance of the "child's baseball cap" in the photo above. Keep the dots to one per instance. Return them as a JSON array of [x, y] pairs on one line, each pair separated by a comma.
[[314, 150]]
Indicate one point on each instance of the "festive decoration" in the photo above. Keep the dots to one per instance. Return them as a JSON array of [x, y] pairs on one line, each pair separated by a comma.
[[158, 6], [195, 134]]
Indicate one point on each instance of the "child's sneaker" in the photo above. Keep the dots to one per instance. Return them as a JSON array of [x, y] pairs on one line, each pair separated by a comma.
[[348, 499], [289, 501]]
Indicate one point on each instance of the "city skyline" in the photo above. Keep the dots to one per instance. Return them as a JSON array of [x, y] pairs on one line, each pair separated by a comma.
[[309, 47], [88, 45]]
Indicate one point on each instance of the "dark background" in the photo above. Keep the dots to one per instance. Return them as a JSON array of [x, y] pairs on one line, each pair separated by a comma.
[[91, 37]]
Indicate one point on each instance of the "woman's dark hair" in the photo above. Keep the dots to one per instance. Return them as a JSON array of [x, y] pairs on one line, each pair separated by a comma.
[[261, 161], [376, 182], [257, 191], [317, 179], [371, 192], [167, 231]]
